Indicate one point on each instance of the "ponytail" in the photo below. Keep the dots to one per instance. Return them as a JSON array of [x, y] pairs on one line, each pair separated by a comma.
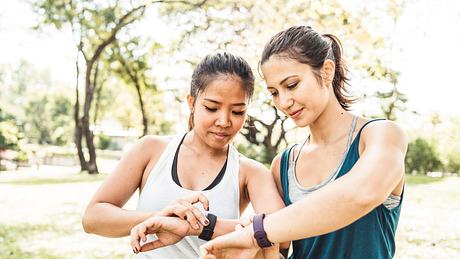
[[340, 74]]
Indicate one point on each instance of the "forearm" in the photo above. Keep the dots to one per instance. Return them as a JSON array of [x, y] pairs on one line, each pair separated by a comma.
[[321, 212], [111, 221], [223, 226]]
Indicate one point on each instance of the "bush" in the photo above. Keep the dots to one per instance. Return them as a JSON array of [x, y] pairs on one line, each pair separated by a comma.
[[453, 163], [9, 135], [103, 141], [422, 157]]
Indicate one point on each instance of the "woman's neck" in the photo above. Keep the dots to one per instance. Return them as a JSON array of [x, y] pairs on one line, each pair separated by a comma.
[[198, 146], [331, 125]]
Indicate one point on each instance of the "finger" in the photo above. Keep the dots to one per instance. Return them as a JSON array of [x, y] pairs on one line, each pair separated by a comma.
[[204, 200], [198, 198], [192, 219], [197, 213], [135, 240], [179, 210], [245, 221], [151, 246], [238, 227], [141, 232]]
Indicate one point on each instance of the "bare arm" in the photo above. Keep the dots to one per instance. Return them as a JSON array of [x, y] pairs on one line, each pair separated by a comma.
[[262, 190], [104, 214], [371, 180], [378, 172]]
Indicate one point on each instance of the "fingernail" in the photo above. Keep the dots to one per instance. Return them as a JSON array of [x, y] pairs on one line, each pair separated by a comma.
[[206, 222], [135, 251], [197, 226]]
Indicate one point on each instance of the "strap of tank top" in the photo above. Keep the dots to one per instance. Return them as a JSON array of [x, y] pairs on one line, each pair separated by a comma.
[[284, 170], [365, 124]]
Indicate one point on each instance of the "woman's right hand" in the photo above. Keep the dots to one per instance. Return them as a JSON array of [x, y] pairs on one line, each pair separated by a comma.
[[184, 209]]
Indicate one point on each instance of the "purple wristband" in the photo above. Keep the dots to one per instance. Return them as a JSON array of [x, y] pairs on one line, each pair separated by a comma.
[[259, 233]]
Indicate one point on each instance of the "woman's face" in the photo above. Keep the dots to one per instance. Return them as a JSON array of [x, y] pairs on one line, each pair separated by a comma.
[[295, 90], [219, 111]]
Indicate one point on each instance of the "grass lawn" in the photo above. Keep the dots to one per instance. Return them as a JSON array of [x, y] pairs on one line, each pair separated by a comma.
[[41, 217]]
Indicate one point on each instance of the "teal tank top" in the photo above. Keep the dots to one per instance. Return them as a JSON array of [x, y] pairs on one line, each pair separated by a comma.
[[371, 236]]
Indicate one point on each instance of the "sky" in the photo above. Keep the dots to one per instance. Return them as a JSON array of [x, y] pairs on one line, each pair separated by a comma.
[[426, 51]]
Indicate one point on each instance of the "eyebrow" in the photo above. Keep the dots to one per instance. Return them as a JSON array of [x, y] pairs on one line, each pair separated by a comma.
[[216, 102], [285, 79]]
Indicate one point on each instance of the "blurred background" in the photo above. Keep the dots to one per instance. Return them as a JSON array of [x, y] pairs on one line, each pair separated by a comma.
[[80, 81]]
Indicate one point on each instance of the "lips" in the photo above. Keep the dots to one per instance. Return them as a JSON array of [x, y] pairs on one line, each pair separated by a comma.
[[220, 135], [296, 113]]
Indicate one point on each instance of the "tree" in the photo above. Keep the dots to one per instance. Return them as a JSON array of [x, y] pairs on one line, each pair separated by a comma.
[[245, 27], [132, 67], [421, 157], [95, 25]]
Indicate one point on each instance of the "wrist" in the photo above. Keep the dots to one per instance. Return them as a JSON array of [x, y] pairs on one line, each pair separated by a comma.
[[208, 231], [259, 231], [194, 232]]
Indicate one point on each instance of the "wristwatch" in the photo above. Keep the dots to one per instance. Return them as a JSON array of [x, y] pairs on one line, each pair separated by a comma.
[[259, 233], [208, 230]]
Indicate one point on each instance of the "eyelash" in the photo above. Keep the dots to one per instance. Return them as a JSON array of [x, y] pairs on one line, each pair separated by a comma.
[[290, 87], [214, 110], [293, 85]]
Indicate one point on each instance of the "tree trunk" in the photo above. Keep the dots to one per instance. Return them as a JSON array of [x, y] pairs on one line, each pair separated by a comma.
[[89, 137], [141, 104], [78, 125]]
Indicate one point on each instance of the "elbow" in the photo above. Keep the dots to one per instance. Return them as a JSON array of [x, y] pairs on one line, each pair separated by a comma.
[[366, 200], [86, 223]]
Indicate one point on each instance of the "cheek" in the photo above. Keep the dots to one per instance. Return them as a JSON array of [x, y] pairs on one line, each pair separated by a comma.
[[238, 122], [202, 118]]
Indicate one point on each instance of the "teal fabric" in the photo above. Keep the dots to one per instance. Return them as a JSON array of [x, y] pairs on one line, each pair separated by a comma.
[[372, 236]]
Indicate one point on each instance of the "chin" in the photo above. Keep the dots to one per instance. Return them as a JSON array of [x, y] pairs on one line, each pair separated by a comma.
[[302, 123]]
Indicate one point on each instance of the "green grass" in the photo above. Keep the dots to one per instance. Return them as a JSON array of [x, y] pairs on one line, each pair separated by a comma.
[[421, 179], [79, 178], [12, 235]]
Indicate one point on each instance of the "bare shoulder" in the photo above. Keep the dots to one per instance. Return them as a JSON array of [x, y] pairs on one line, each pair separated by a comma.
[[150, 145], [251, 167], [384, 133], [275, 167]]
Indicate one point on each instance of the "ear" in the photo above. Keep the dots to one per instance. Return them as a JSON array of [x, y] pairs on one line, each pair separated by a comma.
[[328, 71], [190, 101]]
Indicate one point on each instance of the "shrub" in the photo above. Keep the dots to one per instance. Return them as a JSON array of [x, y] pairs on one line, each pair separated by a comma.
[[422, 157]]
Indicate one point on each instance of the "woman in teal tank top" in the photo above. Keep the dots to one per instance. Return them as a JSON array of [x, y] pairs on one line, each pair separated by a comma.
[[343, 187]]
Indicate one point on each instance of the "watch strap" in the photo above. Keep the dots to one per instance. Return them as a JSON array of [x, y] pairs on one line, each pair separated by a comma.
[[208, 230], [259, 232]]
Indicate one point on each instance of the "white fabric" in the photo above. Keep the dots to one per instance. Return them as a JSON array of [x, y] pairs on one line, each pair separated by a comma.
[[160, 190]]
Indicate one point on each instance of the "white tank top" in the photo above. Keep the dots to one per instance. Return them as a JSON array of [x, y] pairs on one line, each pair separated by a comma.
[[160, 190]]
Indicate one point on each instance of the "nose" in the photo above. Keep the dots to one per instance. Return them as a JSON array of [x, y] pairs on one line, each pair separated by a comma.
[[223, 120], [285, 101]]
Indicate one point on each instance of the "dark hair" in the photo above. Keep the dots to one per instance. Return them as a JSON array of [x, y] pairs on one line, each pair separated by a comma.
[[306, 46], [216, 65]]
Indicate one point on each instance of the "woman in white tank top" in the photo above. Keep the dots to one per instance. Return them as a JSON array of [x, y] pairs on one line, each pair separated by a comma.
[[201, 166]]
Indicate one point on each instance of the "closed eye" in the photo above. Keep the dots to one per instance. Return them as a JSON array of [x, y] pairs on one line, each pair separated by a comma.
[[239, 113], [292, 85], [210, 109]]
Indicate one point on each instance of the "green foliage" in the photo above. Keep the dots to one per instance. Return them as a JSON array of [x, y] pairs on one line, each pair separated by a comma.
[[422, 157], [421, 179], [453, 162], [9, 135], [49, 119], [103, 141]]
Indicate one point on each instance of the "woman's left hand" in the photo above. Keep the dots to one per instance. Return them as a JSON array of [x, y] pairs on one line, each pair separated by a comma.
[[238, 244], [169, 230]]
